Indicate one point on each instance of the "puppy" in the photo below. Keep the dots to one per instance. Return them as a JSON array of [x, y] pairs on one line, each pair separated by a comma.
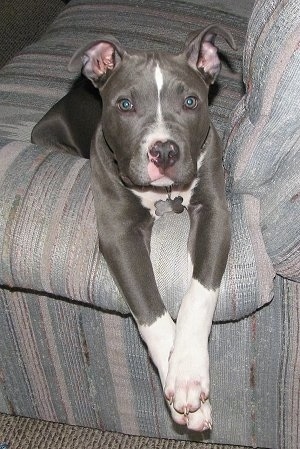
[[154, 150]]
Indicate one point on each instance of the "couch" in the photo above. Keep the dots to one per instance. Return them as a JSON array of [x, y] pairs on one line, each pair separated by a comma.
[[70, 352]]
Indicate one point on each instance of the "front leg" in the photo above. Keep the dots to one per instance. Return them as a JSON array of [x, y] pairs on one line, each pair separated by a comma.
[[124, 242], [187, 385]]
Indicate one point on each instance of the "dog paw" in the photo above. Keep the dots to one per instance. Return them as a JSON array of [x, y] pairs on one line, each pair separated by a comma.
[[187, 389], [187, 383], [198, 421]]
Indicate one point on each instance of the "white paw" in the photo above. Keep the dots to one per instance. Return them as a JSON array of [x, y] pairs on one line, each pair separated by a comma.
[[201, 419], [187, 389], [198, 421], [187, 383]]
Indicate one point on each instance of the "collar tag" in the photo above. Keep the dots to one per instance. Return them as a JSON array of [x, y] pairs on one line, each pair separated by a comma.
[[164, 206]]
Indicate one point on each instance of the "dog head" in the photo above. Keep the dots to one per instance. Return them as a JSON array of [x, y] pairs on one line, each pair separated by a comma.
[[155, 105]]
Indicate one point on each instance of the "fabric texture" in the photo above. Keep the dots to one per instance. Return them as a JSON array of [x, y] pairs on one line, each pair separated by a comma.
[[263, 152], [76, 365], [23, 22], [62, 358]]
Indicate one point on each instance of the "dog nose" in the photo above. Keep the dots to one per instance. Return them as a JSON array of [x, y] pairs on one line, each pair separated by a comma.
[[164, 154]]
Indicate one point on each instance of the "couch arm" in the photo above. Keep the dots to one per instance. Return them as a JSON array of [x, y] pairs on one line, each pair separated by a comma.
[[263, 152]]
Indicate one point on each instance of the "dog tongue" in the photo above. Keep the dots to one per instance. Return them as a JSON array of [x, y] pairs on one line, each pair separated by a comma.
[[154, 172]]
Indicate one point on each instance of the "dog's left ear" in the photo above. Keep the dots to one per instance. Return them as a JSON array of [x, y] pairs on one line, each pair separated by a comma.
[[202, 53]]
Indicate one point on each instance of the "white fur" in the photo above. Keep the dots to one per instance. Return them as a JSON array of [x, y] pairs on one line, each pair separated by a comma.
[[159, 338], [187, 383], [150, 196], [159, 79], [181, 356], [201, 159], [159, 83]]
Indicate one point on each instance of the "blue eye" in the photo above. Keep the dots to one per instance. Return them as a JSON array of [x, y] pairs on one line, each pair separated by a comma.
[[190, 102], [125, 105]]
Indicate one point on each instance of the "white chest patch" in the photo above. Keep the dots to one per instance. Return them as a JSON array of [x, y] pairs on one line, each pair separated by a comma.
[[149, 196]]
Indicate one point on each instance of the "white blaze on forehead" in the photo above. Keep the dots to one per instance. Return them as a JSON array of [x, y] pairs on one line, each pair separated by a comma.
[[159, 79]]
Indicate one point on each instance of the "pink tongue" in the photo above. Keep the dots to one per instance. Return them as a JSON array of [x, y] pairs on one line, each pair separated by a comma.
[[154, 172]]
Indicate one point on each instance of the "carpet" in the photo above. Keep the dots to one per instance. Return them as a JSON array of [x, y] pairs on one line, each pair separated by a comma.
[[25, 433]]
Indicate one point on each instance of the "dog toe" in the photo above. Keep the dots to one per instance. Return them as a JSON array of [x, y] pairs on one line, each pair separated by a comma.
[[201, 419]]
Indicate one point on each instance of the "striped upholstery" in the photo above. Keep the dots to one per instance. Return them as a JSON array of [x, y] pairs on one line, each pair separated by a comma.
[[64, 359], [74, 364], [263, 156]]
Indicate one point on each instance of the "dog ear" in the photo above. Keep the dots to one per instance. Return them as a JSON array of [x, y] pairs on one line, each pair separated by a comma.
[[202, 53], [97, 59]]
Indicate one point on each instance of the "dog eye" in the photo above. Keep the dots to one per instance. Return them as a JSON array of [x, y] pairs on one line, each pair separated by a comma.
[[125, 105], [190, 102]]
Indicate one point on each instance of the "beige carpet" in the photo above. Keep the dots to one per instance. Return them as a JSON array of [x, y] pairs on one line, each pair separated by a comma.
[[25, 433]]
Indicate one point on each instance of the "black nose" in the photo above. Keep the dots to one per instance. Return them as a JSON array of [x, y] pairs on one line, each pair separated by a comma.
[[164, 154]]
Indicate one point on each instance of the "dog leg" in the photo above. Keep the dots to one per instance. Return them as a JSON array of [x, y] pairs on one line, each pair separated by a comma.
[[159, 338], [187, 384]]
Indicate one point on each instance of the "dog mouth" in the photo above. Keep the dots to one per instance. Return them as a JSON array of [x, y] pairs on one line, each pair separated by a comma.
[[160, 176], [162, 181], [165, 181], [147, 174], [158, 170]]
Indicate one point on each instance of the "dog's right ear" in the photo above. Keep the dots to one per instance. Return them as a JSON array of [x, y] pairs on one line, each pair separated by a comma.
[[97, 59]]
